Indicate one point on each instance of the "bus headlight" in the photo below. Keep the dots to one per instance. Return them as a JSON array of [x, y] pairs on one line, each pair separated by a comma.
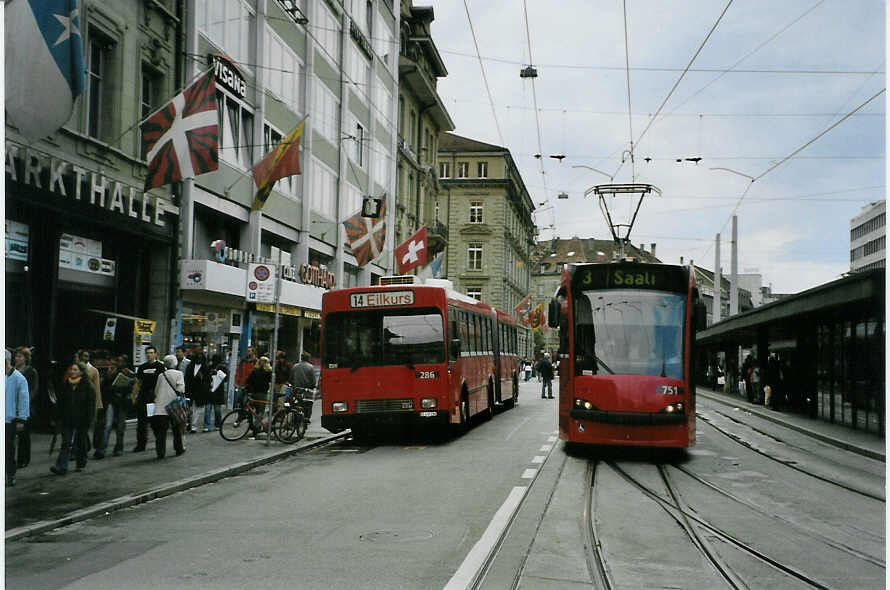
[[583, 403], [339, 407], [428, 403]]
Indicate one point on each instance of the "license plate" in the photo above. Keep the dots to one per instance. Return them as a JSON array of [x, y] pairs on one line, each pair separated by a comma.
[[428, 414]]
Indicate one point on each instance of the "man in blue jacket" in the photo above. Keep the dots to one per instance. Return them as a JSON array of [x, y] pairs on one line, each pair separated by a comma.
[[17, 412]]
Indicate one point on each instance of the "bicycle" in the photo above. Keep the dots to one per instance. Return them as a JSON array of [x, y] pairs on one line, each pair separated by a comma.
[[236, 424], [291, 421]]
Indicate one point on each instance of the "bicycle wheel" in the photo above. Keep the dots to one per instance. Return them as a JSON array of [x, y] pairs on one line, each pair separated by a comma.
[[289, 425], [235, 425]]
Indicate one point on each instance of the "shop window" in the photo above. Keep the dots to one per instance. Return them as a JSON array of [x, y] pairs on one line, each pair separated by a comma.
[[211, 225]]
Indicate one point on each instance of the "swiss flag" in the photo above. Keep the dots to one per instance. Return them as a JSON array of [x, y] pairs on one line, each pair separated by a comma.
[[412, 252]]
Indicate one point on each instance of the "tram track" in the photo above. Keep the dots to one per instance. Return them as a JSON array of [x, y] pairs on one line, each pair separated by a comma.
[[679, 510], [596, 559], [738, 440]]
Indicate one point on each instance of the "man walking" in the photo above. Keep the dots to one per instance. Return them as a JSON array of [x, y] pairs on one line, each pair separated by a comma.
[[17, 412], [144, 393], [545, 371]]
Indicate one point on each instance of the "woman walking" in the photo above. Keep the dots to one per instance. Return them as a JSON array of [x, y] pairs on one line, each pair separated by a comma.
[[171, 384], [77, 404], [197, 387]]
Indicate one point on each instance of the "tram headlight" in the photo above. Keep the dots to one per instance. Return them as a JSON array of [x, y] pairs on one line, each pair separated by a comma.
[[583, 404], [339, 407], [428, 403], [676, 408]]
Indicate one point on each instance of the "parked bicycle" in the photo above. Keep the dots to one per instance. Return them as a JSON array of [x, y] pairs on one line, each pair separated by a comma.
[[236, 424]]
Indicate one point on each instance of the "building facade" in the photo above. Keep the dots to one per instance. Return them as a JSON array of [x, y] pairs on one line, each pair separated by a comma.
[[868, 233], [90, 256], [490, 226], [334, 64], [422, 117]]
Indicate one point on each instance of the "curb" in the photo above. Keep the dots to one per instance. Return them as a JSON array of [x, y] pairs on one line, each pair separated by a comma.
[[841, 444], [127, 501]]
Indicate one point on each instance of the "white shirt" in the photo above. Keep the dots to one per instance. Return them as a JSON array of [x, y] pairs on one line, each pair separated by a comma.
[[170, 383]]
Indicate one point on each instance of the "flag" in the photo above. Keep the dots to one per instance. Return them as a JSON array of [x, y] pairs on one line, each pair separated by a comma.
[[432, 270], [537, 318], [366, 236], [44, 64], [520, 312], [412, 253], [181, 138], [282, 161]]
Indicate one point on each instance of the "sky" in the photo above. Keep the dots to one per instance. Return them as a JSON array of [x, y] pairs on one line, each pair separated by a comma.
[[768, 79]]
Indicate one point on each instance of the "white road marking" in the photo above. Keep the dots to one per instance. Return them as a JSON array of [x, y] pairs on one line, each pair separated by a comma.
[[518, 426], [538, 459], [477, 556], [546, 447], [344, 450], [529, 473]]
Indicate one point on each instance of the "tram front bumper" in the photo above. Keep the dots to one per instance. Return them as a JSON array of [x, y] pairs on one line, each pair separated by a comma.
[[630, 418]]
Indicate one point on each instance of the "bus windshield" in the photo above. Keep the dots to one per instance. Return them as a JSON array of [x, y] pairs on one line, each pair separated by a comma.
[[629, 332], [383, 337]]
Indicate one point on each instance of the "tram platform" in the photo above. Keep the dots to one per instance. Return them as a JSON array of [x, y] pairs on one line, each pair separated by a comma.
[[863, 443]]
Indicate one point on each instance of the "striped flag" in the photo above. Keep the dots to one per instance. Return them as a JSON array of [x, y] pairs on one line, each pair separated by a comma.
[[366, 236], [181, 138], [282, 161], [44, 64]]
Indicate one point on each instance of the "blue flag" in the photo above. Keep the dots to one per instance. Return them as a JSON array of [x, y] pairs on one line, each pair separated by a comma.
[[44, 64]]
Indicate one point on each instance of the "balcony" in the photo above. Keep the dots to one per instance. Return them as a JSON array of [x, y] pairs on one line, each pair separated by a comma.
[[436, 235]]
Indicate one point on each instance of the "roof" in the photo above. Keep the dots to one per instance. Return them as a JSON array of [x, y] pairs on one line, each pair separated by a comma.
[[449, 142], [582, 250]]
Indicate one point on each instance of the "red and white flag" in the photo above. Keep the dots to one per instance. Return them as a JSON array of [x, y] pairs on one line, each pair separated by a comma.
[[522, 310], [412, 253], [366, 235], [181, 138]]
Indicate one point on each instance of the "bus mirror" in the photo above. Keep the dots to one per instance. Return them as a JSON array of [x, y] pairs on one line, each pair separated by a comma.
[[455, 348], [701, 316], [553, 313]]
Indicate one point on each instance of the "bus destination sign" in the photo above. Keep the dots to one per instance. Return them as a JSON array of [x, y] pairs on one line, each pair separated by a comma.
[[636, 276], [380, 299]]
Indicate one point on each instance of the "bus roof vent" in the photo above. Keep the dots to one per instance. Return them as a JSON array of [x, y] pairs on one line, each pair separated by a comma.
[[443, 283], [398, 280]]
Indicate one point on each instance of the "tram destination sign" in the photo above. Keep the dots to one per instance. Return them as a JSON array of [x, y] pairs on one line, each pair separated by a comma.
[[381, 299], [655, 277]]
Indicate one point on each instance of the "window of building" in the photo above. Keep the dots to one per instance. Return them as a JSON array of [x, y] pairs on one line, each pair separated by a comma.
[[283, 74], [229, 25], [327, 31], [382, 163], [412, 128], [97, 83], [325, 112], [401, 115], [444, 170], [463, 169], [475, 293], [475, 211], [358, 151], [359, 69], [352, 198], [482, 169], [235, 131], [148, 98], [323, 199], [474, 256]]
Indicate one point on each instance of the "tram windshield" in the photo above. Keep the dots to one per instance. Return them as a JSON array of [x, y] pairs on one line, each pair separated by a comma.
[[629, 332], [375, 338]]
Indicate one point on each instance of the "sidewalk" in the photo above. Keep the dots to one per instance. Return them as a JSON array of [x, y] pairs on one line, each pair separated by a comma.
[[42, 501], [863, 443]]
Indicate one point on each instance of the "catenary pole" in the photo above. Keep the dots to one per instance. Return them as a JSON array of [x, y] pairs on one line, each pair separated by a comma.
[[274, 352]]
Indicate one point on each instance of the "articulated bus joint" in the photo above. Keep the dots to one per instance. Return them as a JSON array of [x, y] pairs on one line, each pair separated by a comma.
[[630, 418]]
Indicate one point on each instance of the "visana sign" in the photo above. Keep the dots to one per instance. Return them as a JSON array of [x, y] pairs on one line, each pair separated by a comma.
[[69, 180]]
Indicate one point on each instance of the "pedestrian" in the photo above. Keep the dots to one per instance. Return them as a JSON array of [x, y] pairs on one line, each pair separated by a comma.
[[144, 393], [182, 360], [528, 370], [23, 366], [282, 372], [217, 396], [242, 372], [77, 407], [170, 385], [116, 386], [95, 381], [545, 372], [302, 374], [197, 387], [18, 410], [756, 394], [259, 379]]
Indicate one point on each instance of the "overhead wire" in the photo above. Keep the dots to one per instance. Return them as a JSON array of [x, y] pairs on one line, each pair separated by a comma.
[[630, 126], [484, 76]]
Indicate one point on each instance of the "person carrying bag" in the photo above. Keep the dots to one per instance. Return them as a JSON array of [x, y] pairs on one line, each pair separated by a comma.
[[170, 386]]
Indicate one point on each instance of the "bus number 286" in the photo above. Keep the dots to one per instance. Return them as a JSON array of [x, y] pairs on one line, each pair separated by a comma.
[[426, 374]]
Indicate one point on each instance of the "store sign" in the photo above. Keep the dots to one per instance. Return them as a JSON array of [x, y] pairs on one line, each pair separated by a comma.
[[17, 235], [283, 309], [317, 276], [84, 255], [261, 283], [144, 327], [85, 188], [228, 75]]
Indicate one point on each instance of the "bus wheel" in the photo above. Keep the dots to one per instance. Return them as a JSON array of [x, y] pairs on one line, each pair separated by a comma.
[[465, 412], [509, 403]]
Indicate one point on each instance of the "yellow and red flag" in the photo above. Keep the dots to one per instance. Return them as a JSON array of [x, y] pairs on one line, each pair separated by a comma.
[[282, 161]]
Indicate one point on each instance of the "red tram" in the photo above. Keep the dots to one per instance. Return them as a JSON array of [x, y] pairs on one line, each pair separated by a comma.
[[627, 337], [413, 354]]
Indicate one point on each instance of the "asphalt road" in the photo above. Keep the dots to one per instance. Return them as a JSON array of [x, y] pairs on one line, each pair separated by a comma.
[[503, 505]]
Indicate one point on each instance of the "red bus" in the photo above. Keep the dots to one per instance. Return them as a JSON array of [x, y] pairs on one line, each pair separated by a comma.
[[626, 374], [424, 355]]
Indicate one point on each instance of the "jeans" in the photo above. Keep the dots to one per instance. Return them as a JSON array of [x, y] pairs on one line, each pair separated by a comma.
[[208, 416], [116, 419], [548, 387], [73, 439]]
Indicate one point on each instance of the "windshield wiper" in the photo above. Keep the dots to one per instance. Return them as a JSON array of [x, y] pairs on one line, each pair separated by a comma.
[[600, 362]]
